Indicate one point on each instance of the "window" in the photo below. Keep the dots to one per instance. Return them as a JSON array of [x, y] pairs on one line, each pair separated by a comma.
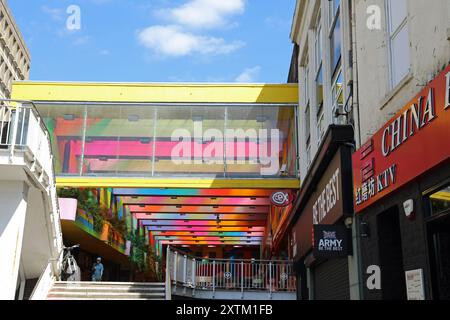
[[320, 127], [335, 34], [307, 124], [337, 94], [440, 201], [308, 134], [308, 156], [319, 80], [319, 90], [306, 83], [318, 45], [399, 54]]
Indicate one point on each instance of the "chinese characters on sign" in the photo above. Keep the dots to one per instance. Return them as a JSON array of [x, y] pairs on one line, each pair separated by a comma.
[[411, 143], [374, 185]]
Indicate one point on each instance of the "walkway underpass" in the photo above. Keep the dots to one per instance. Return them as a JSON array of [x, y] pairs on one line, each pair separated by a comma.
[[190, 167]]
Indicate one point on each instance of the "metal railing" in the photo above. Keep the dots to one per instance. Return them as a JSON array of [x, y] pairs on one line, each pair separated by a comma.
[[229, 274], [22, 129]]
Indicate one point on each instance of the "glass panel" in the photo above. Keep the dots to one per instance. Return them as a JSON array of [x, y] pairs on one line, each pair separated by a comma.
[[260, 142], [336, 44], [102, 140], [333, 6], [400, 56], [65, 123], [337, 93], [319, 90], [397, 14], [135, 140], [189, 141], [318, 48], [307, 123], [440, 201], [320, 127], [123, 140]]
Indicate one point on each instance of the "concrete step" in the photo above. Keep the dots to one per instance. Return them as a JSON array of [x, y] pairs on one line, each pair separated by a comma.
[[105, 295], [115, 284], [108, 288], [72, 298], [107, 291]]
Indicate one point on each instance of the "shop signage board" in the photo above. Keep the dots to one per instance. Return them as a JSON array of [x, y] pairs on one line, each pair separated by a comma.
[[326, 205], [414, 284], [331, 241], [412, 142]]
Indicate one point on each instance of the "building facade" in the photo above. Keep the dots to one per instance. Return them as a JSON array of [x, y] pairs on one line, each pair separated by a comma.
[[322, 32], [401, 168], [14, 54], [382, 69]]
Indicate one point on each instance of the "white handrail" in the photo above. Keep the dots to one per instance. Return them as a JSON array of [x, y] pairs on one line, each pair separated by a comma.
[[26, 131], [241, 275]]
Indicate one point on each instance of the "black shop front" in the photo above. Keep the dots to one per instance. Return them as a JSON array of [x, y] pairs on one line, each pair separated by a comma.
[[402, 200], [320, 241]]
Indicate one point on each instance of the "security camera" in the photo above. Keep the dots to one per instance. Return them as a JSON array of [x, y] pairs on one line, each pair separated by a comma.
[[348, 222], [408, 206]]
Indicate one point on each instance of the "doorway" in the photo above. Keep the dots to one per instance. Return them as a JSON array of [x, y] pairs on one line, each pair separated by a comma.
[[391, 255], [439, 242]]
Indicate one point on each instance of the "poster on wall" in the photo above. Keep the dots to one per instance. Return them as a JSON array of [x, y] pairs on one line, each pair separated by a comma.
[[414, 284], [331, 241]]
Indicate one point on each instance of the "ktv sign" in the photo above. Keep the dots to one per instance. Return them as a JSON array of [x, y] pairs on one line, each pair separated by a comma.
[[415, 140]]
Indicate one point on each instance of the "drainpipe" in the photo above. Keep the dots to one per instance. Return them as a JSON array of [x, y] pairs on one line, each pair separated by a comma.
[[355, 102]]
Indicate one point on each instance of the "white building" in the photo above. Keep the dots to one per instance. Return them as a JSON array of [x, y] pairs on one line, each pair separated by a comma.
[[407, 44], [362, 63], [402, 54], [322, 31], [321, 28], [14, 54]]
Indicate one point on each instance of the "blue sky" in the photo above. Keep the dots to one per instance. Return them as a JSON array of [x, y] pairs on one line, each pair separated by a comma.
[[158, 40]]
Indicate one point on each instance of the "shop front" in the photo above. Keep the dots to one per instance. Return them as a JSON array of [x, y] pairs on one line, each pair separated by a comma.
[[320, 241], [402, 199]]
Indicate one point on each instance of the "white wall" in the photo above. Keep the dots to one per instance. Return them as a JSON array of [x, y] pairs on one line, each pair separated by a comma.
[[13, 200], [36, 250], [429, 27]]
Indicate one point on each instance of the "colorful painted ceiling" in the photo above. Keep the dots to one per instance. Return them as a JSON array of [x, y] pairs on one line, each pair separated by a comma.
[[199, 216]]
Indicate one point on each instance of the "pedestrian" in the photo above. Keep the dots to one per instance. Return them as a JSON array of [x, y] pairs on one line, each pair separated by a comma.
[[97, 270]]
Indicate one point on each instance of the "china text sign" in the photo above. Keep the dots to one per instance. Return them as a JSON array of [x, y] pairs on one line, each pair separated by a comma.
[[415, 140]]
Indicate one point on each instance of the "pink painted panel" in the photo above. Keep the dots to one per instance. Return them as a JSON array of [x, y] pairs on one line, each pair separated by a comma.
[[68, 208]]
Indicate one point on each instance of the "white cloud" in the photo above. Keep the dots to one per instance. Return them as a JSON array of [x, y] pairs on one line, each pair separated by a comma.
[[56, 14], [100, 2], [249, 75], [172, 40], [204, 13], [81, 40]]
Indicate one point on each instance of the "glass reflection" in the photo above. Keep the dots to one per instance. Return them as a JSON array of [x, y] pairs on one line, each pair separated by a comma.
[[172, 140]]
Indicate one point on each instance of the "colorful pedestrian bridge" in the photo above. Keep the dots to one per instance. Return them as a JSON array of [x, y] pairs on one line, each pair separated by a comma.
[[190, 166]]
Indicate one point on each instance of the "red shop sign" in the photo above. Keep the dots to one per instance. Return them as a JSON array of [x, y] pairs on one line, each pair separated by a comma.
[[415, 140]]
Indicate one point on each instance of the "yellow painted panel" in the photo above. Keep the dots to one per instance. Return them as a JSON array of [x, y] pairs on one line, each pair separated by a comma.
[[204, 183], [150, 92]]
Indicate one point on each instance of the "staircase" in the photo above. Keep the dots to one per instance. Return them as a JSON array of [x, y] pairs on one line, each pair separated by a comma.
[[106, 291]]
